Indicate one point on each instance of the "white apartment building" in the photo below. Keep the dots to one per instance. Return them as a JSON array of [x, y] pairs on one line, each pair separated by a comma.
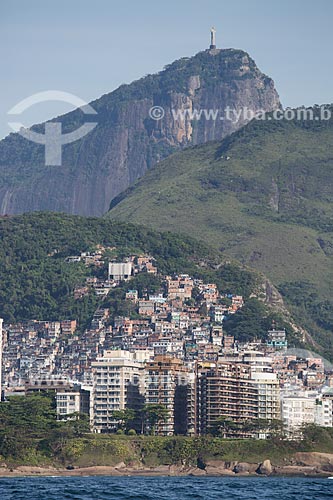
[[268, 388], [324, 408], [323, 412], [68, 403], [297, 410], [118, 384], [267, 385], [73, 400]]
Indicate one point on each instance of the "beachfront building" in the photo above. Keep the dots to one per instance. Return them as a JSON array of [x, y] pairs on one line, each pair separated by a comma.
[[118, 384]]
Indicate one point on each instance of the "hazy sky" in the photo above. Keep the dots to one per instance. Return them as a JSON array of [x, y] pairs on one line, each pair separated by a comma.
[[90, 47]]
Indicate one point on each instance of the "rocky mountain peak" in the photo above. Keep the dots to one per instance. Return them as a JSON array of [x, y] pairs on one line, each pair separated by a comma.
[[192, 94]]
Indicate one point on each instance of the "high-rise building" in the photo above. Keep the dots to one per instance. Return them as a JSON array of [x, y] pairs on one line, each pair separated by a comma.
[[266, 383], [327, 407], [170, 383], [323, 411], [118, 384], [226, 390], [268, 389]]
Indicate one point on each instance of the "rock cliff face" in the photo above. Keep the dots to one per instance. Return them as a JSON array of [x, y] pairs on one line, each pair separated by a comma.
[[127, 141]]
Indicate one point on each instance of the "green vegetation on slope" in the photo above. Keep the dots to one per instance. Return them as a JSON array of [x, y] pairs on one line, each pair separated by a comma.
[[37, 283], [253, 321], [263, 196]]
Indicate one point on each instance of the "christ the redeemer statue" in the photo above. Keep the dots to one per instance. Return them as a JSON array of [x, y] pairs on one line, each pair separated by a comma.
[[212, 38]]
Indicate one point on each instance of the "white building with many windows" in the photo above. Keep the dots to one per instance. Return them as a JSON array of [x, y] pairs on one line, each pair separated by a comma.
[[268, 388], [297, 410], [323, 412], [74, 399], [118, 384]]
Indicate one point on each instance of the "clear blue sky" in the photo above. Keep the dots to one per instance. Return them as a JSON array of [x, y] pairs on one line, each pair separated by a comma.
[[90, 47]]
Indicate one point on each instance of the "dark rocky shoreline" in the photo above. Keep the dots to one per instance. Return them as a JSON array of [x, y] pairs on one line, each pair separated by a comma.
[[305, 464]]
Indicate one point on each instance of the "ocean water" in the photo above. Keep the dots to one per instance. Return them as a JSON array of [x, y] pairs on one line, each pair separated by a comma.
[[164, 488]]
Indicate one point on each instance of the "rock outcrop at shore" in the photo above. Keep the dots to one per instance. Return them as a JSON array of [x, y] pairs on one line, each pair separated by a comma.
[[265, 468], [302, 464]]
